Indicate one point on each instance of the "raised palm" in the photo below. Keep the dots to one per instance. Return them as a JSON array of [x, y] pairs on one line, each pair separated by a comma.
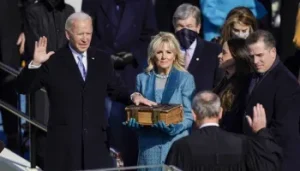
[[40, 51]]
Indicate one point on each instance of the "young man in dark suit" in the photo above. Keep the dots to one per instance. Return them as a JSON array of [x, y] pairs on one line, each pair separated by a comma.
[[201, 57], [77, 79], [211, 148], [277, 89]]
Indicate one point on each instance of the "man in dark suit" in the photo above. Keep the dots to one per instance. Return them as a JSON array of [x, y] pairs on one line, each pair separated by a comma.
[[77, 79], [201, 57], [273, 86], [211, 148], [123, 28]]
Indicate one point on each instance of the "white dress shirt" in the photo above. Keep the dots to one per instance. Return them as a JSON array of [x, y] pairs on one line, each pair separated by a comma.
[[208, 124], [84, 57], [190, 51]]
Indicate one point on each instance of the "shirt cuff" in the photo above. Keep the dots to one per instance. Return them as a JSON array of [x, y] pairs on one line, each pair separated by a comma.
[[31, 66]]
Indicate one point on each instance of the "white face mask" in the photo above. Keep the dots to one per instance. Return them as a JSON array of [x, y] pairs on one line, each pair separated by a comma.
[[240, 34]]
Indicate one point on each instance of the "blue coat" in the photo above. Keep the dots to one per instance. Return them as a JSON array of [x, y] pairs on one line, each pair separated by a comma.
[[154, 145]]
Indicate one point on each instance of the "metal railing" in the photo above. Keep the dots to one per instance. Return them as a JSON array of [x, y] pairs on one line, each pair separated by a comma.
[[28, 117]]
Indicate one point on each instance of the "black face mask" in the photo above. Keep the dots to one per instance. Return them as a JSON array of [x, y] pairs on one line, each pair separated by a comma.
[[55, 3], [186, 37]]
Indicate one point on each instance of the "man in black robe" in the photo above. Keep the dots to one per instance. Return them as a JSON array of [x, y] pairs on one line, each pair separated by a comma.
[[211, 148]]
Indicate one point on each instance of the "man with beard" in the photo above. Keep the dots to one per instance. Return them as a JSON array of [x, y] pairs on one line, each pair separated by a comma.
[[201, 57], [45, 18]]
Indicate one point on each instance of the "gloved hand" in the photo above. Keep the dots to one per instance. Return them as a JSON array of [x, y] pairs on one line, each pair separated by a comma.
[[133, 124], [122, 59], [172, 129]]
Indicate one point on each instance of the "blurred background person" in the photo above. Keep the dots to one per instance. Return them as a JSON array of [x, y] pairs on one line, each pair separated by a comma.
[[165, 81], [215, 12], [235, 59], [46, 18], [240, 22]]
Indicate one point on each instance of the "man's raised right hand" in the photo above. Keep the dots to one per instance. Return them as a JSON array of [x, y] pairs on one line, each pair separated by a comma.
[[40, 51]]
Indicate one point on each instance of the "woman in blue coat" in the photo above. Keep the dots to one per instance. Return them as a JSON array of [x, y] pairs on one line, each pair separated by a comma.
[[164, 81]]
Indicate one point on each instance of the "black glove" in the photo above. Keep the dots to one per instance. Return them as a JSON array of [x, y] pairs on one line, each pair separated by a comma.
[[122, 59]]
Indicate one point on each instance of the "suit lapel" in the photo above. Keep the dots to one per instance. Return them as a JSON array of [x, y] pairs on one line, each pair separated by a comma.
[[150, 87], [71, 64], [127, 17], [91, 65], [196, 59], [171, 85]]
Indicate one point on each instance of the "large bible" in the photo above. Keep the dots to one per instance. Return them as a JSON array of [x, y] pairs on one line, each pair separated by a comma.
[[149, 115]]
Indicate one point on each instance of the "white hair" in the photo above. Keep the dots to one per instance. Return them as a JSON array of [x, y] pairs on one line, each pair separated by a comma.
[[206, 104], [186, 10], [76, 16]]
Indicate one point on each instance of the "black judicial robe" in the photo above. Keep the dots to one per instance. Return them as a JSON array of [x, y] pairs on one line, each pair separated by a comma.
[[213, 149]]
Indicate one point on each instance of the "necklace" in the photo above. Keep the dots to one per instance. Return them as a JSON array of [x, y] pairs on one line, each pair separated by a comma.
[[161, 76]]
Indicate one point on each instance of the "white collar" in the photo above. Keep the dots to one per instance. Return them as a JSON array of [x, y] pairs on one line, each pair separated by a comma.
[[193, 45], [84, 54], [208, 124]]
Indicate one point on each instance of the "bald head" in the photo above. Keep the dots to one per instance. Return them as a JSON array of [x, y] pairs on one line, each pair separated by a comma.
[[206, 104]]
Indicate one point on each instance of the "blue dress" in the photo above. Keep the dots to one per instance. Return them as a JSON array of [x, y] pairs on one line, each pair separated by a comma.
[[154, 144]]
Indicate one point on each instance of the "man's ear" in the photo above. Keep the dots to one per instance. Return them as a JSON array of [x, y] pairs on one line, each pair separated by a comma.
[[194, 115], [274, 52], [67, 34], [220, 113], [198, 28]]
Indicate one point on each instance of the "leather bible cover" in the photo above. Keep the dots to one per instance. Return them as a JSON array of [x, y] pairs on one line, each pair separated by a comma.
[[149, 115]]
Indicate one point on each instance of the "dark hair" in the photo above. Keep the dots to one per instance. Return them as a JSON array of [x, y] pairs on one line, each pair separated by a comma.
[[241, 55], [262, 35], [237, 15], [243, 66]]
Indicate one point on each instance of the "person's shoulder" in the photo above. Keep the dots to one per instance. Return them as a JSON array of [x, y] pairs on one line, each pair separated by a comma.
[[143, 75], [283, 75], [69, 8], [182, 142], [209, 44], [34, 8], [186, 75], [99, 53]]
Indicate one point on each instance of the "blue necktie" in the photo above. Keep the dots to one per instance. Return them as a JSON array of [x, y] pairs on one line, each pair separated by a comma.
[[81, 66]]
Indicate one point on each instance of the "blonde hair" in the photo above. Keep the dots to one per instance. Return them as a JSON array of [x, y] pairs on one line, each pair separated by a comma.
[[170, 40], [240, 15]]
